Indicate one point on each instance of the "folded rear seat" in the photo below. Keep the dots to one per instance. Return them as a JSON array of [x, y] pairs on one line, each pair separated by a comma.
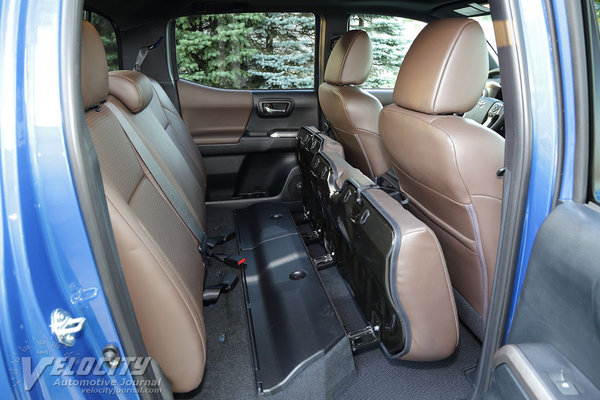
[[392, 262], [159, 255], [310, 142], [328, 173]]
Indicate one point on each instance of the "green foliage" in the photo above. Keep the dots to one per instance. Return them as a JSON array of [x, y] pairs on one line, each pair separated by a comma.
[[269, 50], [109, 39], [391, 37], [247, 51]]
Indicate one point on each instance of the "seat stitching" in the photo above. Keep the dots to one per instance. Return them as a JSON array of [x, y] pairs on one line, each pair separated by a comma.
[[175, 284], [137, 89], [343, 64]]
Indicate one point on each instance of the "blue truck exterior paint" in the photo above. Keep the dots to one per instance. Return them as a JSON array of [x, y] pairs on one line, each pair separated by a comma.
[[45, 257]]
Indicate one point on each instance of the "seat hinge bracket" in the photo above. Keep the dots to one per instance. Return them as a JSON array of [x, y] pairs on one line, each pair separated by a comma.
[[324, 261], [311, 237], [366, 337]]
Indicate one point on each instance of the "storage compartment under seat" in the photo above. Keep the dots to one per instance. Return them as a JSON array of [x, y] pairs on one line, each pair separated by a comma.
[[292, 321]]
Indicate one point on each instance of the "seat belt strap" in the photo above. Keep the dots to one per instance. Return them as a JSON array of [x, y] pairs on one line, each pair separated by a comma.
[[161, 179], [143, 52]]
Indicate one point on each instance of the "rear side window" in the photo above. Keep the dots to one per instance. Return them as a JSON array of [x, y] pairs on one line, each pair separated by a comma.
[[391, 37], [109, 38], [247, 51]]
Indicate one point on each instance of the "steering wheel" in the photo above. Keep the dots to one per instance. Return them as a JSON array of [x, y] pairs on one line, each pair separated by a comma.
[[488, 112]]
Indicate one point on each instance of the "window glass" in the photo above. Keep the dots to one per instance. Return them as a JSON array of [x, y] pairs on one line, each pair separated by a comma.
[[391, 37], [109, 39], [247, 51], [488, 29]]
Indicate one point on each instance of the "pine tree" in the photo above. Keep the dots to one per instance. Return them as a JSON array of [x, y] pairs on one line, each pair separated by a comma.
[[286, 58], [109, 40], [390, 37], [215, 49], [247, 51]]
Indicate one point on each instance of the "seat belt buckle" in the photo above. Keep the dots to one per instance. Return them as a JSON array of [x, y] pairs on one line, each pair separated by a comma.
[[221, 238], [232, 260], [235, 261]]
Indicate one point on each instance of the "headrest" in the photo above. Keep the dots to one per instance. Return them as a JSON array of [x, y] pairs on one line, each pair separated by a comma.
[[350, 60], [445, 69], [133, 88], [94, 69]]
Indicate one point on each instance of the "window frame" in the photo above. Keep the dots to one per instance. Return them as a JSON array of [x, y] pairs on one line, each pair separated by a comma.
[[315, 72], [592, 36]]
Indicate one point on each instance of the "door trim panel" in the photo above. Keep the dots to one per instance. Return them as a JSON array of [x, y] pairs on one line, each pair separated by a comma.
[[523, 370], [214, 116]]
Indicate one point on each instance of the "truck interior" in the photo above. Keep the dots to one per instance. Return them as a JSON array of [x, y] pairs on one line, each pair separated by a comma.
[[332, 213]]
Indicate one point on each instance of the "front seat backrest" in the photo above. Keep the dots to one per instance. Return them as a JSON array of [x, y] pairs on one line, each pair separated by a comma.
[[352, 112], [445, 163]]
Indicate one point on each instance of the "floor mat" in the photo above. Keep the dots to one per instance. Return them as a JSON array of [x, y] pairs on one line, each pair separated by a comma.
[[382, 378]]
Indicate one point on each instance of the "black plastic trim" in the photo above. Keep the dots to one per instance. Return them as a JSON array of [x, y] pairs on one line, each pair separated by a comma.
[[249, 145], [518, 146], [292, 322]]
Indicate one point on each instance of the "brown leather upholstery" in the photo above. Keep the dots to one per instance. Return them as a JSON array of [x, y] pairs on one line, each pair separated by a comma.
[[132, 88], [445, 68], [94, 82], [214, 116], [173, 124], [447, 164], [422, 285], [352, 112], [162, 266], [350, 60], [406, 273], [186, 178]]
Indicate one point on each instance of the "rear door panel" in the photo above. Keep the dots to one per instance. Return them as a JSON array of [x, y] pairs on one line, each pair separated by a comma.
[[554, 341], [214, 116], [248, 151]]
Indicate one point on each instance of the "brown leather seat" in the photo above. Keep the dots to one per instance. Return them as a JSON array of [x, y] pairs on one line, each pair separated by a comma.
[[447, 164], [133, 94], [173, 124], [161, 263], [352, 112], [393, 263]]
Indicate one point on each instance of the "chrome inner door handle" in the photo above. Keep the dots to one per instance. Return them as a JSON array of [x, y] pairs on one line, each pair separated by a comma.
[[274, 108], [270, 110]]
